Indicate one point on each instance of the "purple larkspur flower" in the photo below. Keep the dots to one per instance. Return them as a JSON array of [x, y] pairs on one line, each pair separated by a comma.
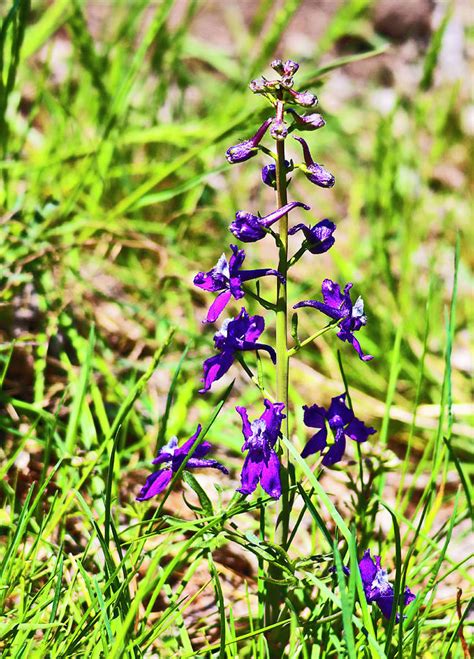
[[261, 462], [308, 122], [236, 334], [227, 279], [319, 237], [171, 457], [339, 306], [377, 587], [342, 422], [247, 149], [314, 172], [249, 228]]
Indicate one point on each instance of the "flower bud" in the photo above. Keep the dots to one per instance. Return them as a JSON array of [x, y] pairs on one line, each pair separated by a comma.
[[269, 173], [277, 65], [278, 130], [258, 86], [290, 68], [305, 99], [247, 149], [308, 122], [315, 172]]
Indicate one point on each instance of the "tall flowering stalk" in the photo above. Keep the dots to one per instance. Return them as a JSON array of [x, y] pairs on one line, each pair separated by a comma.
[[266, 463]]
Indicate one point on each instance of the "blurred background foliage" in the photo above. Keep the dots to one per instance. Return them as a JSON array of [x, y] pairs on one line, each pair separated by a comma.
[[114, 120]]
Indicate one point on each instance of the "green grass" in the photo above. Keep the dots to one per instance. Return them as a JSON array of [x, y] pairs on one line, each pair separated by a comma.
[[114, 193]]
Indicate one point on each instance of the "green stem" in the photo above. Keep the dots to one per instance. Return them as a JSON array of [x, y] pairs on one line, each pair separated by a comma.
[[311, 338], [282, 330]]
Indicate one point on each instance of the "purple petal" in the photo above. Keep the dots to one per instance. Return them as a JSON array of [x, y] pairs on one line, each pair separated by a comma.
[[246, 345], [339, 414], [236, 288], [332, 295], [208, 282], [358, 431], [408, 596], [368, 570], [254, 327], [272, 417], [385, 604], [348, 336], [247, 149], [316, 443], [199, 451], [155, 483], [251, 471], [270, 476], [218, 306], [246, 429], [236, 260], [215, 367], [314, 416], [336, 451]]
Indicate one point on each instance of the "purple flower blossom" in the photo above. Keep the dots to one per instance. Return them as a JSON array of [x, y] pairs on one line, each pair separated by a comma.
[[170, 457], [377, 587], [237, 334], [308, 122], [227, 279], [269, 173], [249, 228], [342, 422], [261, 463], [319, 237], [339, 307], [248, 148], [314, 172]]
